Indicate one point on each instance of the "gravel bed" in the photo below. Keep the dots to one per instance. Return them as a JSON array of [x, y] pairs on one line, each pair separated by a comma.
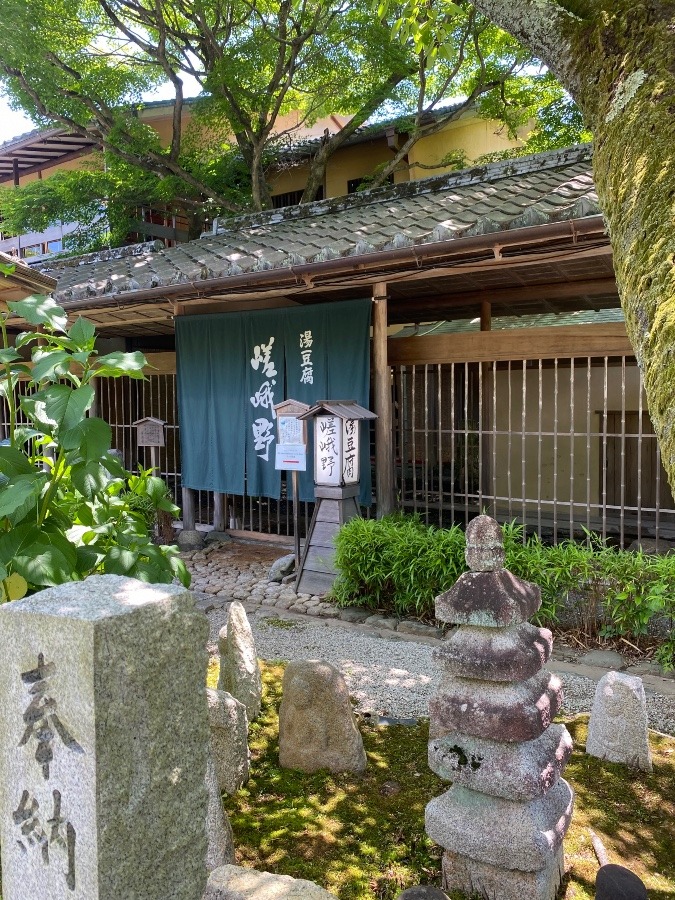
[[397, 677]]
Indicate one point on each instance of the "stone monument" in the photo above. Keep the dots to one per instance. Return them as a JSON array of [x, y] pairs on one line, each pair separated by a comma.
[[229, 740], [104, 739], [617, 729], [316, 722], [503, 820], [239, 670]]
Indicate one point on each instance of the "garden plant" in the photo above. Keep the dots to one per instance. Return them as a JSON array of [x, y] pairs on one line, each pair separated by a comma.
[[68, 507], [399, 564]]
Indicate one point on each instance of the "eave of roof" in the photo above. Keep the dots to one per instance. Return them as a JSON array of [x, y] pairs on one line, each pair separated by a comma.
[[22, 281], [544, 198]]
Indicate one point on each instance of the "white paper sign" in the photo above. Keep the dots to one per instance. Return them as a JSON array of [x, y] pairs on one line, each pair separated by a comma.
[[350, 444], [291, 457]]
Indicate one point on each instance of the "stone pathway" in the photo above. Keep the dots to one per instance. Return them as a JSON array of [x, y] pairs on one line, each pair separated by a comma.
[[238, 570], [235, 570]]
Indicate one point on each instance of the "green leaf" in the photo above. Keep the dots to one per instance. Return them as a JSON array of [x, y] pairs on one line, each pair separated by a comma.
[[90, 478], [50, 365], [82, 332], [119, 561], [40, 310], [87, 560], [91, 437], [14, 462], [59, 407], [22, 434], [20, 495], [113, 365], [9, 355], [43, 558], [25, 338]]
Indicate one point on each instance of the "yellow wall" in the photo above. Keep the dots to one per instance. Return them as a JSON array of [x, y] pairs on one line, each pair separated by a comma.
[[473, 135]]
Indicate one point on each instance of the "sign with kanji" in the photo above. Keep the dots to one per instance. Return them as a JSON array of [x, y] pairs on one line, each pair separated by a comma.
[[150, 432]]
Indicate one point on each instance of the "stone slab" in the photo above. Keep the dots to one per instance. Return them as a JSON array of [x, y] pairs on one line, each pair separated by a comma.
[[617, 729], [237, 883], [509, 654], [473, 878], [488, 599], [504, 833], [103, 731], [355, 614], [520, 771], [229, 740], [605, 659], [503, 711], [220, 846]]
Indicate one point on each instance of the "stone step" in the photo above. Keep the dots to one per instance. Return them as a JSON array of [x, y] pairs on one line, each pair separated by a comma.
[[501, 711], [522, 771], [509, 654], [488, 599], [505, 833]]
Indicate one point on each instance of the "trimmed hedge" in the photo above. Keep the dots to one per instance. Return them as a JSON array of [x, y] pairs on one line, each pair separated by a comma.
[[399, 565]]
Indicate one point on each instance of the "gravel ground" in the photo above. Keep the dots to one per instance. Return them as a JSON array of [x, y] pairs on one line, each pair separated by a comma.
[[395, 677]]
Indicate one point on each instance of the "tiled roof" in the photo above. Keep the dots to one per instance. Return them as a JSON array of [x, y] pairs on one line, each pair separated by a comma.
[[502, 323], [542, 189]]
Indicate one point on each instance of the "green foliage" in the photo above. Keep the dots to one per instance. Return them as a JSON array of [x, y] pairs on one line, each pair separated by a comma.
[[396, 563], [400, 565], [68, 508]]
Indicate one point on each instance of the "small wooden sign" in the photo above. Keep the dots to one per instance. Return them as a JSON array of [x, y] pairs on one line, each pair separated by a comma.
[[150, 432]]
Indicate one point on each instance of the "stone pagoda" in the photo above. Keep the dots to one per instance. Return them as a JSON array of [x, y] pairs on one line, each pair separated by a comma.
[[503, 821]]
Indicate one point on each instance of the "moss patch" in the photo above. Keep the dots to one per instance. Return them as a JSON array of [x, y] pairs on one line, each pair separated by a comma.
[[362, 837]]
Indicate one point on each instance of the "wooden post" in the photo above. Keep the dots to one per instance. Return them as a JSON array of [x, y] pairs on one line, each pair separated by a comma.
[[486, 384], [485, 315], [384, 456], [218, 511], [296, 521], [188, 509]]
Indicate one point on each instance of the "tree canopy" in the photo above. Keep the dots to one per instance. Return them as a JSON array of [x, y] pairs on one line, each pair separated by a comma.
[[87, 64]]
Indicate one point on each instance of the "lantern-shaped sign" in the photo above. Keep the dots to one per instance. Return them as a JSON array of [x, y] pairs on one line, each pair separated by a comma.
[[336, 441], [336, 477]]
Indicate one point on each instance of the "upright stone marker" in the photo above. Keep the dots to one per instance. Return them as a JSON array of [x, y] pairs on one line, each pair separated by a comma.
[[103, 743]]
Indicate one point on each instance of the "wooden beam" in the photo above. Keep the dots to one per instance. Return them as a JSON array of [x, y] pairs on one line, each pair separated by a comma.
[[384, 455], [513, 343], [160, 363]]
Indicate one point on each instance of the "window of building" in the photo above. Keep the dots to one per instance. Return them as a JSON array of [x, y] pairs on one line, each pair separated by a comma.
[[31, 250], [292, 198], [54, 246]]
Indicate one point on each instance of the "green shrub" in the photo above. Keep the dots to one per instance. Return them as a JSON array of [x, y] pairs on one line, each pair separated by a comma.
[[68, 508], [400, 565], [396, 563]]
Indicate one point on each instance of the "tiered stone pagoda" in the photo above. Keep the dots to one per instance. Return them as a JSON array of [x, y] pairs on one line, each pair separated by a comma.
[[503, 821]]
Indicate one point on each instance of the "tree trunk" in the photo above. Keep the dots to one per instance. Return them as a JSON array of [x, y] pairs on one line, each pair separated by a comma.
[[618, 61]]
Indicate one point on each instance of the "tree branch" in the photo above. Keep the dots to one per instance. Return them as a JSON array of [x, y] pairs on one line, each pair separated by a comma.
[[545, 27]]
